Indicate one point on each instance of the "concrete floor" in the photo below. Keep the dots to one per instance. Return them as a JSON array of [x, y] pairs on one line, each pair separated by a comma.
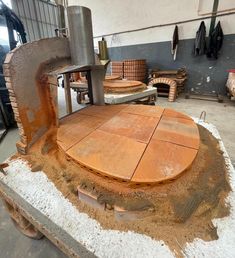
[[13, 244]]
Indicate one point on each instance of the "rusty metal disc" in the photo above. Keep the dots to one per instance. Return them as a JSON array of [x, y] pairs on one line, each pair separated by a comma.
[[138, 144]]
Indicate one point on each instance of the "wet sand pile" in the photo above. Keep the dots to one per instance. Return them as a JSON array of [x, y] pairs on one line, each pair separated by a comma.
[[176, 212]]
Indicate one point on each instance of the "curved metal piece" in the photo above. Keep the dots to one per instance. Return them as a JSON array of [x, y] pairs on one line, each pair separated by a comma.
[[203, 116], [81, 35]]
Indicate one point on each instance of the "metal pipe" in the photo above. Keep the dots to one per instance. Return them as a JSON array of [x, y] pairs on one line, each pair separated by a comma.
[[30, 17], [164, 25], [81, 35], [36, 17], [40, 14], [44, 13], [213, 13], [61, 17]]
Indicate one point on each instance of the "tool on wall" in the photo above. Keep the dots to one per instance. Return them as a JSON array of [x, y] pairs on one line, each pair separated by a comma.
[[175, 42]]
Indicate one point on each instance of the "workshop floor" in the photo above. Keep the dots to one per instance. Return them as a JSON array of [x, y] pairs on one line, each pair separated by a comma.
[[13, 244]]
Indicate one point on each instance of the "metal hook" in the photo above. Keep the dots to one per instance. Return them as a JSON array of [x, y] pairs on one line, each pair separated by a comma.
[[203, 116]]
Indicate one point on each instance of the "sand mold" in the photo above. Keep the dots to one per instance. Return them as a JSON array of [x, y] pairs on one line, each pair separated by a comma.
[[176, 212]]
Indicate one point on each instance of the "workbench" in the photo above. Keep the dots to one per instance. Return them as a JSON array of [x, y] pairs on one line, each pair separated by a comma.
[[149, 95]]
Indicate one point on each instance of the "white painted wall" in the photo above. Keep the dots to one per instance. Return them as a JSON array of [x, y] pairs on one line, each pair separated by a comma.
[[110, 16]]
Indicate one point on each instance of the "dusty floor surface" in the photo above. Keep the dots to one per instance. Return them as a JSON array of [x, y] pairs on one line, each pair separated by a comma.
[[176, 212]]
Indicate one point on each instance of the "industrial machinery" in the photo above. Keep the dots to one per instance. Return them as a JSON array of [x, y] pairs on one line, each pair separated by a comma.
[[9, 24]]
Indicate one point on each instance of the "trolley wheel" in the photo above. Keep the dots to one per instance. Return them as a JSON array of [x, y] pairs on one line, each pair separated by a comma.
[[187, 96], [79, 98], [220, 99], [21, 223]]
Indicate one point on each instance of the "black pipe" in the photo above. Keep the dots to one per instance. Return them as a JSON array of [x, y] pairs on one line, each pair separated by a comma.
[[213, 18]]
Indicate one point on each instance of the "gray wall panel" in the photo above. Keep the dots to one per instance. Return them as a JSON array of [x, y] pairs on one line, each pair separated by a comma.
[[204, 75]]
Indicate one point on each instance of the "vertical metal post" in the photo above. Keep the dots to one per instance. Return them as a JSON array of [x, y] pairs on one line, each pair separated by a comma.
[[37, 20], [40, 14], [26, 21], [55, 25], [89, 83], [61, 16], [11, 37], [46, 23], [97, 77], [49, 15], [67, 93], [82, 50], [56, 13], [213, 19], [31, 19]]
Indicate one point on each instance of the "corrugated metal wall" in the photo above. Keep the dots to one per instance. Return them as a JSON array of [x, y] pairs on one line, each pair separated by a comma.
[[40, 17]]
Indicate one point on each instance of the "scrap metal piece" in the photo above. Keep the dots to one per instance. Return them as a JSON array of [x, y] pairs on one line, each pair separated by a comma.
[[2, 166]]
